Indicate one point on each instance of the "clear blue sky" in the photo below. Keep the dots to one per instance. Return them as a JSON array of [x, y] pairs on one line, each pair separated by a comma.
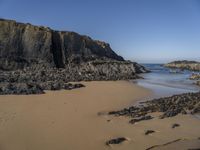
[[140, 30]]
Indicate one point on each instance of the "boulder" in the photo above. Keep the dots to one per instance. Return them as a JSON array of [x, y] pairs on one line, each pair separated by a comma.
[[175, 125], [149, 132], [118, 140]]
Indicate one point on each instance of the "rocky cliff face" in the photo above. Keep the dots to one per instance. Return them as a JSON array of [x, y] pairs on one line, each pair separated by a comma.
[[39, 55], [24, 44], [187, 65]]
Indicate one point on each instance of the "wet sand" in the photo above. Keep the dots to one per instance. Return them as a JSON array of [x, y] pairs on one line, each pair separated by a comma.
[[76, 120]]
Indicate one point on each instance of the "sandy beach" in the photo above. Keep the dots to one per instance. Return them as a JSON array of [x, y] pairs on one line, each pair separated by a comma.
[[99, 75], [76, 120]]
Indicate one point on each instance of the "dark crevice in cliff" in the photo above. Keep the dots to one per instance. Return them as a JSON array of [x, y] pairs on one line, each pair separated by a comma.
[[56, 48]]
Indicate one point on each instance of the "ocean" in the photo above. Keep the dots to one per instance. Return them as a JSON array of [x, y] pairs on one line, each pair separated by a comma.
[[166, 82]]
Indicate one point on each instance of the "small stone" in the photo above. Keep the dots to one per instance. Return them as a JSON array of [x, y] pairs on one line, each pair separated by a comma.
[[175, 125], [149, 132], [118, 140], [133, 121]]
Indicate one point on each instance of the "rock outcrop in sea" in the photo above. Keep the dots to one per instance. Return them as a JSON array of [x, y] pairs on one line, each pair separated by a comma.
[[196, 77], [47, 59], [198, 83], [187, 65], [184, 65]]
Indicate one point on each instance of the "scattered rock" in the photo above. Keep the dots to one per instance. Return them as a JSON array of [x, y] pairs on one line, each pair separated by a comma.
[[196, 109], [20, 88], [187, 103], [175, 125], [149, 132], [34, 88], [195, 77], [184, 65], [198, 83], [118, 140], [133, 121]]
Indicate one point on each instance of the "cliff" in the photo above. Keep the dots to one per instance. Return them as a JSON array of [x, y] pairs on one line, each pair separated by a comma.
[[184, 65], [22, 44], [47, 59]]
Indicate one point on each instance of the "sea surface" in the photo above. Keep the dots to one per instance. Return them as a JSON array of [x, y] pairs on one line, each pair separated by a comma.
[[166, 82]]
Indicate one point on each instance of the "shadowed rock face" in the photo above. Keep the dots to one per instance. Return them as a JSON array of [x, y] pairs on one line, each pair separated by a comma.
[[56, 48], [21, 44], [44, 58], [24, 45]]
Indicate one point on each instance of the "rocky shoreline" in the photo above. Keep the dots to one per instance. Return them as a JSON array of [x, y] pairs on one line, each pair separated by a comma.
[[188, 103], [36, 79], [161, 108], [184, 65], [34, 88], [187, 65], [196, 77], [198, 83], [37, 58]]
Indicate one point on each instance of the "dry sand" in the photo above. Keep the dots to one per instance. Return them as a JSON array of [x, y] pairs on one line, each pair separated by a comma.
[[69, 120]]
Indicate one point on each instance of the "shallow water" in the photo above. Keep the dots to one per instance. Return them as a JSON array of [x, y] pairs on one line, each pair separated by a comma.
[[163, 82]]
